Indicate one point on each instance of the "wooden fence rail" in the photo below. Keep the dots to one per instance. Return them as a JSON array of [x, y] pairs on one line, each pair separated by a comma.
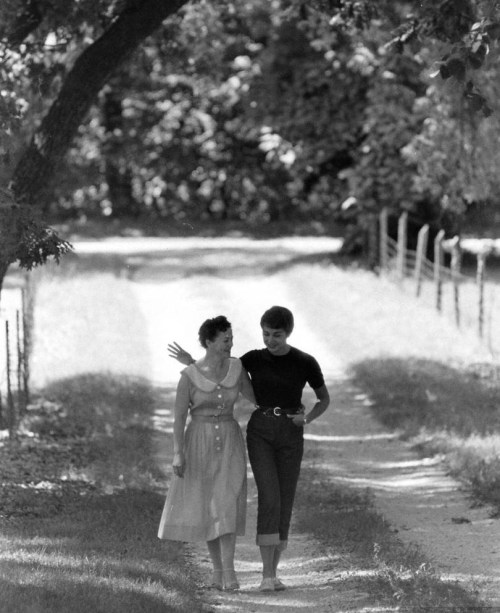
[[395, 257]]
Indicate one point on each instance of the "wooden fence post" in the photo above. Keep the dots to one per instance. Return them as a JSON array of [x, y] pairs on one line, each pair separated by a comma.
[[438, 265], [402, 244], [21, 396], [11, 418], [481, 257], [384, 232], [423, 237], [455, 276]]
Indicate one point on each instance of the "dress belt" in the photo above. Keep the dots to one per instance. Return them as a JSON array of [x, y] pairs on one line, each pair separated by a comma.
[[278, 411], [212, 418]]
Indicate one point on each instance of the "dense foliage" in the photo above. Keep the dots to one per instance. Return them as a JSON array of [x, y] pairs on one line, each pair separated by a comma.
[[255, 111]]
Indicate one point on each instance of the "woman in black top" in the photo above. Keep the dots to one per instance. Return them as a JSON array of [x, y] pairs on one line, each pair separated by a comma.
[[279, 374]]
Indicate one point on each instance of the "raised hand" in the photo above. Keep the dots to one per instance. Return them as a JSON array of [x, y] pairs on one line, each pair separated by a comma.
[[178, 353]]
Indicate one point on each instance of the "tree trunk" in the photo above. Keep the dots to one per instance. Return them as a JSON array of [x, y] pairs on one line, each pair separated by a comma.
[[91, 71], [36, 168]]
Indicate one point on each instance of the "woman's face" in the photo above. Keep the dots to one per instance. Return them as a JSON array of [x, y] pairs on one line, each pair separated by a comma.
[[275, 339], [222, 343]]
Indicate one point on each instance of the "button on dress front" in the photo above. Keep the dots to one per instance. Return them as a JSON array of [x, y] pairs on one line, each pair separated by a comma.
[[210, 500]]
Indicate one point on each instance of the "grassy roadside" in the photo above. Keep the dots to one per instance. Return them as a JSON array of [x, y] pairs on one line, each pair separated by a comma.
[[391, 574], [443, 409], [80, 507], [432, 382]]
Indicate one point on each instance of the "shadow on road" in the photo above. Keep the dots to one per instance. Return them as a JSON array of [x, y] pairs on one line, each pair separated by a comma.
[[219, 260]]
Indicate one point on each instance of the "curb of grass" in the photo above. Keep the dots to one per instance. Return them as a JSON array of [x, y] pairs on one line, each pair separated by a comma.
[[79, 524], [443, 409]]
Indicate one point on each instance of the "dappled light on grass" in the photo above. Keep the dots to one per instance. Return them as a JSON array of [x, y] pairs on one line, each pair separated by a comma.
[[420, 483], [363, 316], [413, 393], [98, 557], [79, 329], [343, 518], [94, 548], [447, 410], [79, 584], [328, 438]]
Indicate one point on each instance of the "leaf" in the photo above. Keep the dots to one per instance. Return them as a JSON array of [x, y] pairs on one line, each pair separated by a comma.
[[444, 71], [477, 56], [456, 67], [493, 30], [475, 102], [435, 69]]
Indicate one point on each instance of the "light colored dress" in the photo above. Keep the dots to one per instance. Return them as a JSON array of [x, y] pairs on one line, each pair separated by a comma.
[[210, 500]]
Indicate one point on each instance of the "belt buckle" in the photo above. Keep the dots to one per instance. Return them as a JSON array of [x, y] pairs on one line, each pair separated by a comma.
[[277, 411]]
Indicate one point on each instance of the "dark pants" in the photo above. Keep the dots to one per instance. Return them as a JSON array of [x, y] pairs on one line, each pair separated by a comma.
[[275, 448]]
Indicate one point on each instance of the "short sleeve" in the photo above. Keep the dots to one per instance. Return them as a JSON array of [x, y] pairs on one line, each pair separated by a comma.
[[247, 360], [315, 377]]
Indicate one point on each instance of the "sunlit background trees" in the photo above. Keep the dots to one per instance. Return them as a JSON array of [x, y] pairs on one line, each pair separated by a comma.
[[250, 112]]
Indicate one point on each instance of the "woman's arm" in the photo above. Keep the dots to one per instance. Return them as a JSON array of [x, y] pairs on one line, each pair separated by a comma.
[[181, 355], [320, 407], [246, 386], [180, 415]]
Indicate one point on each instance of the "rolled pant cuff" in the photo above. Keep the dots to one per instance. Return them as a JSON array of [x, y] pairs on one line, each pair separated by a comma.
[[264, 540]]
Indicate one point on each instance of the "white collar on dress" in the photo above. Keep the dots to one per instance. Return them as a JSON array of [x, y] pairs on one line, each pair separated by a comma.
[[207, 385]]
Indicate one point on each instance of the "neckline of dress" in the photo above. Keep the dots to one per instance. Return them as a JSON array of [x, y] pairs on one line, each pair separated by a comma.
[[211, 380]]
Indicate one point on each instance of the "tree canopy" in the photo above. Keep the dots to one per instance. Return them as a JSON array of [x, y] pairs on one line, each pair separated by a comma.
[[256, 111]]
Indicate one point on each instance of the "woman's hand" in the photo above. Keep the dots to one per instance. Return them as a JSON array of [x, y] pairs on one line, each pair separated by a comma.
[[179, 464], [178, 353], [299, 418]]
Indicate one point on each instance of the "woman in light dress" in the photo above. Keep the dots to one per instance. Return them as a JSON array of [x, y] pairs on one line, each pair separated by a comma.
[[279, 374], [207, 497]]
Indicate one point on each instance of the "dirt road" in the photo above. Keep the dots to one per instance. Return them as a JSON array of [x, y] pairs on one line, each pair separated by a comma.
[[178, 284]]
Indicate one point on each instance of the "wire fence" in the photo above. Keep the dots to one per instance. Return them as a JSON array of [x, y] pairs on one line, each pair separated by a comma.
[[16, 315], [466, 294]]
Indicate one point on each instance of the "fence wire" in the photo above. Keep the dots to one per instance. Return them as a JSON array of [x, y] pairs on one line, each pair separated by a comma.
[[460, 298]]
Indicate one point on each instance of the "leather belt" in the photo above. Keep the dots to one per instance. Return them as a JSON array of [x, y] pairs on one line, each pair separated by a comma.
[[278, 411]]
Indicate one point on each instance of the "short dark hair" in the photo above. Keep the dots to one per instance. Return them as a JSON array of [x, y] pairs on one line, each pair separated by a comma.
[[278, 318], [210, 328]]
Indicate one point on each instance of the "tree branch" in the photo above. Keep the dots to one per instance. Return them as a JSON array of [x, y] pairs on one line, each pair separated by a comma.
[[25, 22], [90, 73]]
